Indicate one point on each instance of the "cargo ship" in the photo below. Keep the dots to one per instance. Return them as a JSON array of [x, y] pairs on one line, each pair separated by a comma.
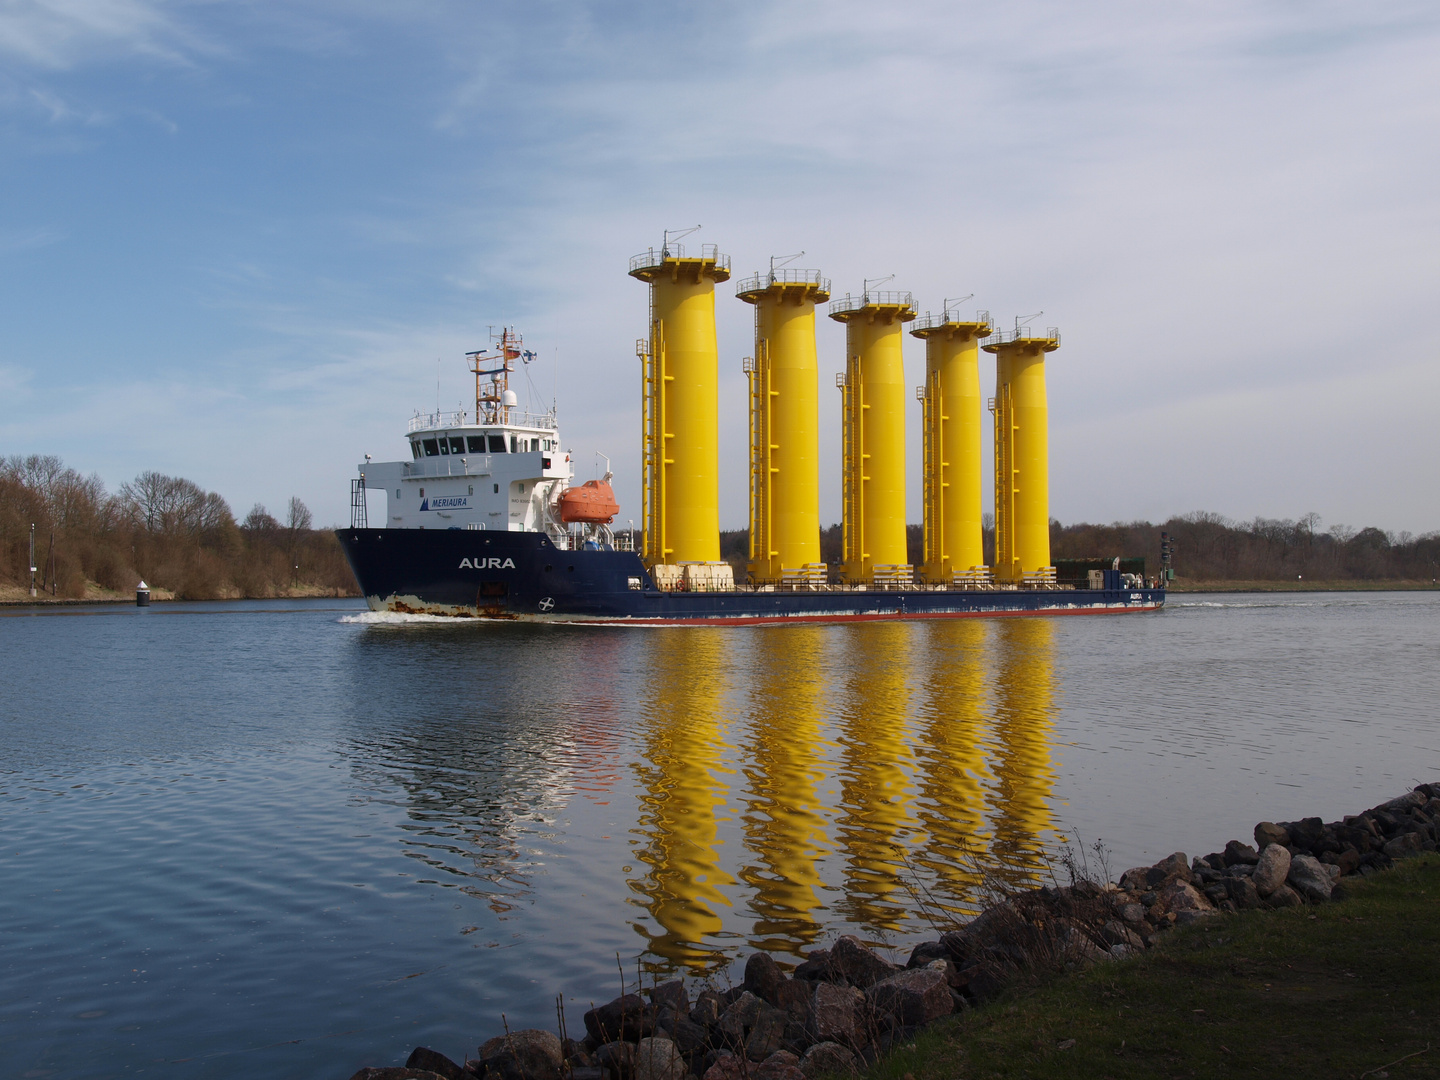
[[484, 520]]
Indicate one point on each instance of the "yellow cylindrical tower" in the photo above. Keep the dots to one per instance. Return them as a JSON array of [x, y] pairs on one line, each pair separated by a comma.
[[953, 442], [784, 425], [681, 447], [1022, 456], [873, 433]]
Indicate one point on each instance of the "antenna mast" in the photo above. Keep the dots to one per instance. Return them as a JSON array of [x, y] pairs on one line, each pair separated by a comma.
[[493, 400]]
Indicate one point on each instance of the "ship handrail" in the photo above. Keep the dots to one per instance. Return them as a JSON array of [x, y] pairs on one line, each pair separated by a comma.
[[1025, 333], [929, 321], [657, 257], [437, 421], [761, 281], [876, 297]]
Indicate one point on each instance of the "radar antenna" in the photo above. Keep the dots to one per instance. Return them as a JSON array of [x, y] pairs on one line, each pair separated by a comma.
[[494, 400]]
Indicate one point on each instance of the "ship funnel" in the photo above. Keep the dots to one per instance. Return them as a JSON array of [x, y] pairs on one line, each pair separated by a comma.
[[873, 432], [680, 386]]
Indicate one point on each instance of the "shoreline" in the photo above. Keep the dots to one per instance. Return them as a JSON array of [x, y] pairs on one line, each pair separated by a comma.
[[845, 1008], [1271, 586], [165, 596]]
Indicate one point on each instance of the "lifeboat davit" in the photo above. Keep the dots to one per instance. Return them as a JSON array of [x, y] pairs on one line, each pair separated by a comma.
[[592, 503]]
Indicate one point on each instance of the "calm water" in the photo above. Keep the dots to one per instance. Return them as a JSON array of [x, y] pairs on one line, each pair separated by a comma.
[[294, 838]]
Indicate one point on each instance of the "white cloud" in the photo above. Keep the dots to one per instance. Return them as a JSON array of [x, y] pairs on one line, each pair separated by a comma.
[[59, 34], [13, 241], [1222, 206]]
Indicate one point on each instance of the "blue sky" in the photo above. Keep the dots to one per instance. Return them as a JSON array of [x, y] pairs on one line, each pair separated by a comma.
[[236, 237]]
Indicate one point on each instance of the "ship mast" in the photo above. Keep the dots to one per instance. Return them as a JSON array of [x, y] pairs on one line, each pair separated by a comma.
[[494, 400]]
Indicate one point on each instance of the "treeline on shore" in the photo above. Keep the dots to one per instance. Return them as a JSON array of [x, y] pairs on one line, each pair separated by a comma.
[[1208, 547], [167, 530], [186, 541]]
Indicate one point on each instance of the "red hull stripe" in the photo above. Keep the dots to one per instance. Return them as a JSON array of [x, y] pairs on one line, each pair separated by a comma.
[[896, 616]]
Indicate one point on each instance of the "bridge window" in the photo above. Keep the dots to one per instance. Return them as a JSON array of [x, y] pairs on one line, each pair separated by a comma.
[[513, 440], [415, 448], [432, 448], [476, 443], [444, 446], [522, 489], [457, 444], [497, 444]]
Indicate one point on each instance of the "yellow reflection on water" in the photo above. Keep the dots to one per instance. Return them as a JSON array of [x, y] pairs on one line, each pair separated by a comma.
[[874, 772], [950, 749], [683, 794], [781, 758], [1023, 730]]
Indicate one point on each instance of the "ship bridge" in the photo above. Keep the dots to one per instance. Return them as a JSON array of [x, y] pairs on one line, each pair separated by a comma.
[[468, 475]]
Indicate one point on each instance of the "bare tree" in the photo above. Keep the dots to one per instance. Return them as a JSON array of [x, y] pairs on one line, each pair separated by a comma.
[[171, 505], [297, 516], [297, 524], [260, 522]]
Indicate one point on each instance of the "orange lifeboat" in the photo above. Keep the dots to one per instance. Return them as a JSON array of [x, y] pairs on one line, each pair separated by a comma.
[[592, 503]]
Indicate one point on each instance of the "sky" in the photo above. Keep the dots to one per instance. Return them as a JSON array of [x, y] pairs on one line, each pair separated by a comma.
[[242, 242]]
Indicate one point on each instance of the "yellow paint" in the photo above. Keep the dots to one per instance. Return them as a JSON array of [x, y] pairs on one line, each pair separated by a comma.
[[873, 496], [951, 764], [781, 759], [784, 422], [681, 448], [1024, 728], [683, 796], [875, 823], [1022, 458], [953, 446]]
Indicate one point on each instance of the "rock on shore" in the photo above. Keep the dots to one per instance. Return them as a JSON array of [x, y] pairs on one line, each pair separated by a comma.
[[845, 1005]]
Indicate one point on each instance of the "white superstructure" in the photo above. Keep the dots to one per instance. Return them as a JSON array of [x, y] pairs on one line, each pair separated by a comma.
[[504, 470], [505, 476]]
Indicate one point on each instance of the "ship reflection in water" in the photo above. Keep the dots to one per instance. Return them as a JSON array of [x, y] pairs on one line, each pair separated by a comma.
[[718, 791], [801, 781]]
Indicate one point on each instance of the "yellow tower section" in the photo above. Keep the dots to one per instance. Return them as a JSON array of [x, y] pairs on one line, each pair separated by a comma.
[[953, 447], [873, 436], [680, 446], [785, 425], [1022, 456]]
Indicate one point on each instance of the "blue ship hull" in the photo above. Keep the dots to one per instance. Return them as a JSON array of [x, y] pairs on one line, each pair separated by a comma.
[[523, 576]]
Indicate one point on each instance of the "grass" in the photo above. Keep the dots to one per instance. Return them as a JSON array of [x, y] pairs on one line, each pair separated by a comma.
[[1347, 989]]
